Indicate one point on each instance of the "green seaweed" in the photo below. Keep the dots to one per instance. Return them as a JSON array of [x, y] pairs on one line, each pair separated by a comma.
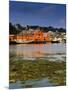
[[38, 69]]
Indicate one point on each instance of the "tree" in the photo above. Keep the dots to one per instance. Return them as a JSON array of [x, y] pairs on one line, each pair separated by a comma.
[[12, 29]]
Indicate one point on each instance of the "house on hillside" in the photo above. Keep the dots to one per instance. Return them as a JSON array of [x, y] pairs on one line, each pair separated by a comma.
[[34, 35]]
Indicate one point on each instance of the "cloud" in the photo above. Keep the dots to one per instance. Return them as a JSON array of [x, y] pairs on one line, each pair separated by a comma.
[[49, 9]]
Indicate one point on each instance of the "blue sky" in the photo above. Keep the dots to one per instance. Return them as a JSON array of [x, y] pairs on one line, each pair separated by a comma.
[[42, 14]]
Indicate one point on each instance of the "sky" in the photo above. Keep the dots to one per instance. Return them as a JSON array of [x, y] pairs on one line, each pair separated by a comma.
[[42, 14]]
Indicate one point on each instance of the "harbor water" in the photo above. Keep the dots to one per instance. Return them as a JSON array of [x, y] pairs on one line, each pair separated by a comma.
[[38, 51], [52, 52]]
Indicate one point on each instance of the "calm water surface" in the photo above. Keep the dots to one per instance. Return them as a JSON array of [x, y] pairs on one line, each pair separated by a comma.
[[31, 83], [39, 51]]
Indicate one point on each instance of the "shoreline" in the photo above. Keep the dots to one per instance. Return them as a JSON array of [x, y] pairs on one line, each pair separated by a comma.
[[40, 42]]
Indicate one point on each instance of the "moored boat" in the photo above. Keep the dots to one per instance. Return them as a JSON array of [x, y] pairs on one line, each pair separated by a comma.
[[38, 42], [22, 41], [56, 40]]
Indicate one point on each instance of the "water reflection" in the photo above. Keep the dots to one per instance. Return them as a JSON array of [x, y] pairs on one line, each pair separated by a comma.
[[32, 51], [31, 83], [42, 66]]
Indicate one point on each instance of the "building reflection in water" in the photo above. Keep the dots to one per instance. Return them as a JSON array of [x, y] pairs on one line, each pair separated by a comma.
[[36, 50]]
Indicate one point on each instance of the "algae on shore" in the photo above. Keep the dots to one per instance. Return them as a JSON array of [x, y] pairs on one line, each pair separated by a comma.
[[38, 69]]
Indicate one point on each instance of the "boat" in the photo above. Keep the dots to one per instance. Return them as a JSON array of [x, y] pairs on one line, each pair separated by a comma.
[[55, 40], [22, 41], [38, 42], [27, 42]]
